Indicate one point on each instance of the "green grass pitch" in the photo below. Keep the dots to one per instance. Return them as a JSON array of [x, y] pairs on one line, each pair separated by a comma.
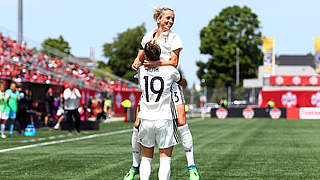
[[224, 149]]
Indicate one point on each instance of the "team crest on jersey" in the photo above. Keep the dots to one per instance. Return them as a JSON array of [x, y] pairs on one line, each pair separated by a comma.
[[154, 69]]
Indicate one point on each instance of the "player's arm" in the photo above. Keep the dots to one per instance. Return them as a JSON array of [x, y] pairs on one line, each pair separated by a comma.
[[138, 61], [137, 122], [174, 61], [183, 81]]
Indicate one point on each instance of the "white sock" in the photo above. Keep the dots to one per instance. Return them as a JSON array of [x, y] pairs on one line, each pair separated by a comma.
[[164, 169], [145, 168], [136, 149], [187, 143], [2, 128]]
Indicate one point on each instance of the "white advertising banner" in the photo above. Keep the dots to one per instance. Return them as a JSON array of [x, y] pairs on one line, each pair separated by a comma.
[[309, 113]]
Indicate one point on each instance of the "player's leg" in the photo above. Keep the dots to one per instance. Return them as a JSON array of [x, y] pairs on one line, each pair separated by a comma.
[[77, 120], [146, 138], [136, 150], [59, 121], [3, 120], [166, 137], [11, 119], [184, 131], [146, 160], [69, 121], [2, 126], [165, 163]]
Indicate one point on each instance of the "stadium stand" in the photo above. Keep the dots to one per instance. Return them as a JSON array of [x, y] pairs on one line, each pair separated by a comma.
[[20, 63]]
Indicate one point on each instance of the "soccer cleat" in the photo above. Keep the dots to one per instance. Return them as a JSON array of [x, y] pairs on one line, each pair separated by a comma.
[[194, 175], [3, 136], [56, 127], [132, 172]]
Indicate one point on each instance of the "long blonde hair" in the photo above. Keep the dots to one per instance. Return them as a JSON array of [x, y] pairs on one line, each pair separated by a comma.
[[157, 12]]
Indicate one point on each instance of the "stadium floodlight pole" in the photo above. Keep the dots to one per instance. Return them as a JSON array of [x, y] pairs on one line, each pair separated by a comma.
[[20, 21], [237, 67]]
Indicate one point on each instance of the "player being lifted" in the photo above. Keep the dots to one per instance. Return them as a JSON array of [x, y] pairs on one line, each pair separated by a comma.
[[171, 45], [157, 113]]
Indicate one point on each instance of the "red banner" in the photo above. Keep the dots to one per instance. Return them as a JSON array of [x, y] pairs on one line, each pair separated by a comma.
[[286, 98], [85, 95], [295, 80], [119, 96]]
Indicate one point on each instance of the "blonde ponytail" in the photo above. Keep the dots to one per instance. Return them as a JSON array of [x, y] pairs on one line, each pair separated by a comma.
[[157, 12]]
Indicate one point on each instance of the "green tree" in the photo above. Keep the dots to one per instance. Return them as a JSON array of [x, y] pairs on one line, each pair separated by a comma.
[[235, 27], [55, 47], [123, 50]]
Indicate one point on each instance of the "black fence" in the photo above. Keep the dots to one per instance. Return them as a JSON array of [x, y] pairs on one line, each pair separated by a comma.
[[239, 112]]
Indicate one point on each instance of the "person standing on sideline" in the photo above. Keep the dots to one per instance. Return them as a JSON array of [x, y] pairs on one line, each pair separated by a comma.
[[14, 98], [23, 107], [71, 97], [3, 109], [107, 107], [49, 102]]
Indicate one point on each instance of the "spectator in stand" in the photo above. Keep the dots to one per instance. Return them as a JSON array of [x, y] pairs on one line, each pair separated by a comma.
[[49, 103], [23, 106], [3, 109], [71, 97], [14, 98]]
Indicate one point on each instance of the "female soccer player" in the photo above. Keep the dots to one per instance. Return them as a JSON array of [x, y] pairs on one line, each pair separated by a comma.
[[171, 45], [157, 114], [3, 109]]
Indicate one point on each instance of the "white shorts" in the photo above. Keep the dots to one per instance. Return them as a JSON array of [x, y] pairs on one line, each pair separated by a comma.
[[160, 132], [177, 94], [3, 115]]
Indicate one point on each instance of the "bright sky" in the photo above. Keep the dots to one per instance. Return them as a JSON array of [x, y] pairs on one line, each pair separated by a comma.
[[91, 23]]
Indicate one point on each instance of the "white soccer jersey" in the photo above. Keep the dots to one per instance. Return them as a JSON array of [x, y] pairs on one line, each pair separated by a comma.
[[168, 42], [156, 99]]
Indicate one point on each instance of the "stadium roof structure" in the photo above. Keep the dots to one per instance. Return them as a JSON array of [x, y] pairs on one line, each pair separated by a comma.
[[296, 60], [86, 61]]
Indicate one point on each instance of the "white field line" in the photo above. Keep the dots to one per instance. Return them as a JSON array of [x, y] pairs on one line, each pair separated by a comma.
[[66, 140], [76, 139]]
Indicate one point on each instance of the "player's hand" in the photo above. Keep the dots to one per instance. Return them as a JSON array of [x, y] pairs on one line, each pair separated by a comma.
[[151, 64], [136, 64], [137, 123]]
